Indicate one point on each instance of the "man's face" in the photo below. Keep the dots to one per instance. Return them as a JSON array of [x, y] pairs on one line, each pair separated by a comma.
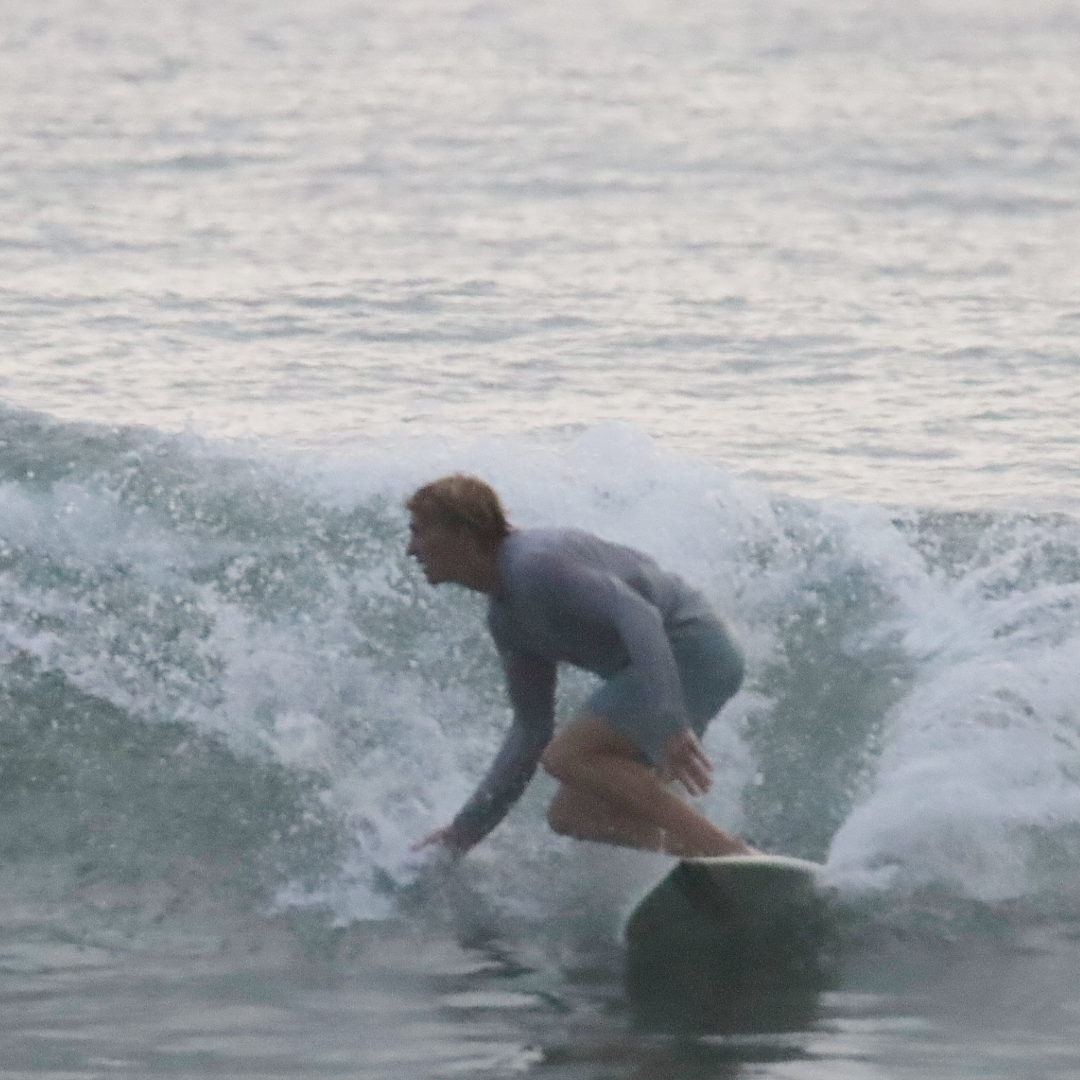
[[439, 549]]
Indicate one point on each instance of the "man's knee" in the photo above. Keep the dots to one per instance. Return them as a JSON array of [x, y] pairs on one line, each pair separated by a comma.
[[557, 761], [572, 754], [574, 813], [558, 818]]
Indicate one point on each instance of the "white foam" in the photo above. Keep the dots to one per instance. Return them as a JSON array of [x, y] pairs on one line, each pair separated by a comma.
[[341, 660]]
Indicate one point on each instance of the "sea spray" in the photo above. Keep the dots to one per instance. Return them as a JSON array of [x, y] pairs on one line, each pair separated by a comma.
[[221, 652]]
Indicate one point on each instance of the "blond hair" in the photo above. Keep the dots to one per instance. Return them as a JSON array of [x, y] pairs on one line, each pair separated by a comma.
[[462, 501]]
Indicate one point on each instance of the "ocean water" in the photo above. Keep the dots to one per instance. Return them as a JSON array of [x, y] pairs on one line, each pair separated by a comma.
[[782, 293]]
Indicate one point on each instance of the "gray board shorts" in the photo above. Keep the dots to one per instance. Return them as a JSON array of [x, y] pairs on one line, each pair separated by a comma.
[[711, 668]]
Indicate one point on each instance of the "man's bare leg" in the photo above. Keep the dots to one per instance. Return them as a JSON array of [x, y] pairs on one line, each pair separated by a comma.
[[610, 796], [586, 816]]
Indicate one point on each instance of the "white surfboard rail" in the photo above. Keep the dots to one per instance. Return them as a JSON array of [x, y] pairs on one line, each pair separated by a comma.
[[751, 862]]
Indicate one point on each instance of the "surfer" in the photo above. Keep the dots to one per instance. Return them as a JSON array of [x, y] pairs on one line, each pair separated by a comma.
[[565, 596]]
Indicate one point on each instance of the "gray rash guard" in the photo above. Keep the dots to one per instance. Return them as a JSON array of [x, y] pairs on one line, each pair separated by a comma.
[[567, 596]]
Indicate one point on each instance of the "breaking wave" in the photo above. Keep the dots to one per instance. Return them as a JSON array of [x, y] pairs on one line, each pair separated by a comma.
[[219, 674]]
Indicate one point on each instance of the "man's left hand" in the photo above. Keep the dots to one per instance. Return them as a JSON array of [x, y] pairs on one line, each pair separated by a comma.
[[685, 761], [449, 837]]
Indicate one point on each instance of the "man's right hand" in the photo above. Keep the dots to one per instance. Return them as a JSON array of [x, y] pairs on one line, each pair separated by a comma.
[[685, 761]]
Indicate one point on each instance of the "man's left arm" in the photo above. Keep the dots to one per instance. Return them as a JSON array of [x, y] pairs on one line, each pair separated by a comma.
[[531, 687]]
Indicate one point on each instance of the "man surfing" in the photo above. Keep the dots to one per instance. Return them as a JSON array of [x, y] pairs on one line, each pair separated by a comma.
[[566, 596]]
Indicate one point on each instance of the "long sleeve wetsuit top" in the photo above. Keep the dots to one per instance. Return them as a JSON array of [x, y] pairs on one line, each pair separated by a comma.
[[569, 597]]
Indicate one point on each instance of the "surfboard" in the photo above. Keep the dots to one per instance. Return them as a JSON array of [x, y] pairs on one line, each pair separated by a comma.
[[748, 883], [738, 943]]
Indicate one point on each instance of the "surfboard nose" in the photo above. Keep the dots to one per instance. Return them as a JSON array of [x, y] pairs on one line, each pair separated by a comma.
[[716, 949]]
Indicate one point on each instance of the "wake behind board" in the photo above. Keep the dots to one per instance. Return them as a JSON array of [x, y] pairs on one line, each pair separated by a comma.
[[730, 944]]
